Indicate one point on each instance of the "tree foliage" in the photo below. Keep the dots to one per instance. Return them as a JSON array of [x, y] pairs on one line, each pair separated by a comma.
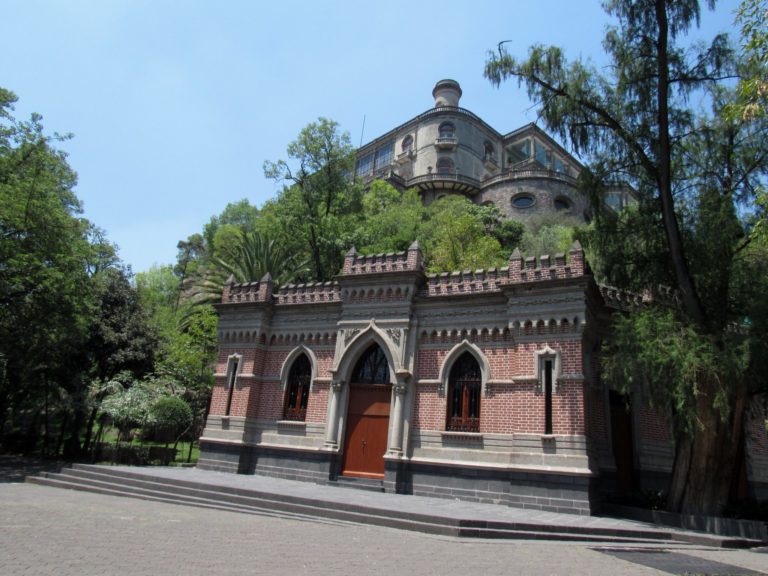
[[316, 210], [695, 174]]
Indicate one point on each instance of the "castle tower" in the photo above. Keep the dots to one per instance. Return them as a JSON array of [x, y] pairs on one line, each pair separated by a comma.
[[446, 93]]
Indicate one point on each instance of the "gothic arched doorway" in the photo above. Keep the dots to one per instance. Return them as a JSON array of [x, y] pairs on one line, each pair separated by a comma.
[[367, 425]]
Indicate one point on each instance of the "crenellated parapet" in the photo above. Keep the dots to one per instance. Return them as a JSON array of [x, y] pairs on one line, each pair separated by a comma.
[[408, 260], [466, 282], [620, 299], [249, 292], [531, 269], [317, 293]]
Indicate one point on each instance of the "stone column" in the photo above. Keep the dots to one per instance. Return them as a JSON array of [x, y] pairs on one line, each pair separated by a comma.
[[399, 390], [332, 424]]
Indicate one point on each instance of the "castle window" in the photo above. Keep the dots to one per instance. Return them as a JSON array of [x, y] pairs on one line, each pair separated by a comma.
[[464, 385], [407, 144], [523, 201], [489, 152], [384, 156], [542, 155], [297, 389], [365, 165], [234, 362], [562, 203], [519, 152], [447, 130], [372, 367], [559, 166], [445, 166], [548, 366]]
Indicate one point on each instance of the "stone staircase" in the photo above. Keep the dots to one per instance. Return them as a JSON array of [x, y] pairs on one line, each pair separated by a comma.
[[144, 485]]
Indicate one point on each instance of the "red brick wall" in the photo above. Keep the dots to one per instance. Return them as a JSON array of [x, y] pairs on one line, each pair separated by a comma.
[[653, 426], [246, 390], [507, 408], [254, 397]]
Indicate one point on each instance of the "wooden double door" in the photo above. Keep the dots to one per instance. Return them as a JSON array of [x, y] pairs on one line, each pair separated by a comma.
[[365, 438]]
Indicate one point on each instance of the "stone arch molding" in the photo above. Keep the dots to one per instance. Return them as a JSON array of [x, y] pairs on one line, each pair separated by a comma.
[[372, 334], [464, 346], [285, 370]]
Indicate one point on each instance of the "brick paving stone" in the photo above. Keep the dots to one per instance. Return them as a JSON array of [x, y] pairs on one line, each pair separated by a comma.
[[46, 530]]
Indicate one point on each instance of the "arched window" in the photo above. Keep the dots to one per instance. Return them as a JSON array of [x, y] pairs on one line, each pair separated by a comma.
[[447, 130], [371, 368], [464, 385], [489, 152], [407, 143], [445, 166], [297, 390]]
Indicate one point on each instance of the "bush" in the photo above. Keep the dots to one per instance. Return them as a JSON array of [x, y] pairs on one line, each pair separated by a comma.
[[171, 416]]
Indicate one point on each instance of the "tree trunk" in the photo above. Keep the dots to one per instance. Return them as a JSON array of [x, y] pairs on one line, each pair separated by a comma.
[[706, 464], [690, 296], [89, 430]]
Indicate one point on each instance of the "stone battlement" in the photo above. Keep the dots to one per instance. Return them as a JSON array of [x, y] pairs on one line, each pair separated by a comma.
[[519, 271], [466, 282], [532, 270], [260, 291], [408, 260], [308, 293]]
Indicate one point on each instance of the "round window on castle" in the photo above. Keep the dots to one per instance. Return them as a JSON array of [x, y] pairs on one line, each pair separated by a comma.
[[562, 203], [523, 201]]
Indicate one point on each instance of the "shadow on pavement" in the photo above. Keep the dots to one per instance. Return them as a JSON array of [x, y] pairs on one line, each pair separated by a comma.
[[15, 468]]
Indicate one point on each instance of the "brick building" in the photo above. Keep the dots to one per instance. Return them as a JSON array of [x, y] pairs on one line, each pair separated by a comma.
[[480, 385]]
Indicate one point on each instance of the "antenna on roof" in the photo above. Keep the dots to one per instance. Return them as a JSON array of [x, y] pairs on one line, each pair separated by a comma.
[[362, 131]]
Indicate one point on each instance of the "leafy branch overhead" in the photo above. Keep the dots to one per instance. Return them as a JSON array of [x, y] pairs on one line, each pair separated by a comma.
[[696, 175]]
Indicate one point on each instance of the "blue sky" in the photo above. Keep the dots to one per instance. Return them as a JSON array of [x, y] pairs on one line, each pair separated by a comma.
[[175, 105]]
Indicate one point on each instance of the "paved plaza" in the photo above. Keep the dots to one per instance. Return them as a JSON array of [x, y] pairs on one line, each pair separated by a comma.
[[46, 530]]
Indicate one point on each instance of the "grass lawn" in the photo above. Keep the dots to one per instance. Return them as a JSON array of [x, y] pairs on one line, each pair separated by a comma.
[[109, 436]]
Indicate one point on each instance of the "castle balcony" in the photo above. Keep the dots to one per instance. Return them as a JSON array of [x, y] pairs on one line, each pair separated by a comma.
[[453, 182], [490, 162], [447, 143], [528, 173], [406, 156]]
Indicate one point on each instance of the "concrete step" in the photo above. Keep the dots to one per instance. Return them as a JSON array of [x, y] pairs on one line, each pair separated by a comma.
[[119, 482], [368, 484]]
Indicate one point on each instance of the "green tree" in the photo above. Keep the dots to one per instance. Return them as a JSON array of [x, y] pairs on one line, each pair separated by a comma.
[[315, 213], [390, 219], [187, 342], [247, 257], [171, 417], [752, 16], [455, 236], [120, 339], [45, 257], [690, 173]]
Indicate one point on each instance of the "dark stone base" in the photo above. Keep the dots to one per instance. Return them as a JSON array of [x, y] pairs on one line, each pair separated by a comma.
[[313, 466], [234, 458], [278, 463], [534, 490]]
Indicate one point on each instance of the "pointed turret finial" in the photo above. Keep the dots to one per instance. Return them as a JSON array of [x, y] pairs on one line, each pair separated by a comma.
[[230, 280], [516, 255], [414, 246], [266, 278], [352, 252], [576, 246]]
